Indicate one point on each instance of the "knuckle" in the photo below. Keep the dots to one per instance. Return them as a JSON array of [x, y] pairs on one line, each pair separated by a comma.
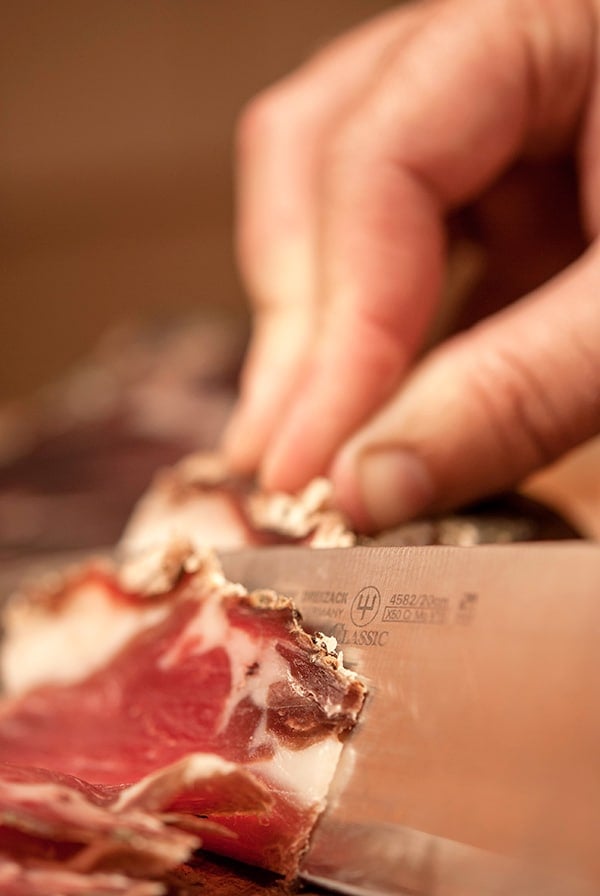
[[527, 427], [377, 347], [345, 145], [345, 172], [263, 117]]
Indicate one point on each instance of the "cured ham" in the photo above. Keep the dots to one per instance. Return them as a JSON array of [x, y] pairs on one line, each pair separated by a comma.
[[55, 816], [198, 499], [166, 708], [19, 880]]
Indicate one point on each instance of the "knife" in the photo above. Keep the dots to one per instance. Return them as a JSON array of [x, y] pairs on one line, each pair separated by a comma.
[[474, 769]]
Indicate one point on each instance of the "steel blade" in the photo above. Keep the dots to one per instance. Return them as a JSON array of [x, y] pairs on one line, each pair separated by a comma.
[[475, 767]]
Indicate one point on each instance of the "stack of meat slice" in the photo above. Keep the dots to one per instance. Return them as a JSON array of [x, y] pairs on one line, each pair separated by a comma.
[[152, 707]]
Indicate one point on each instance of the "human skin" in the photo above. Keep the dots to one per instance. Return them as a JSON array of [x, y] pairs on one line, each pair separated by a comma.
[[348, 171]]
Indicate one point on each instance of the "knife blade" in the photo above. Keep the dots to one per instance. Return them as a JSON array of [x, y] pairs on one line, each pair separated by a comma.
[[475, 766]]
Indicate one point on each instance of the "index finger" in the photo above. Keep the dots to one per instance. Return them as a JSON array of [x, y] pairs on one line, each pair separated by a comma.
[[280, 139], [449, 112]]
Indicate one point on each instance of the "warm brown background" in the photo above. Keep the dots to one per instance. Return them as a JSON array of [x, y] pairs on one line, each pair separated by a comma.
[[116, 121], [115, 134]]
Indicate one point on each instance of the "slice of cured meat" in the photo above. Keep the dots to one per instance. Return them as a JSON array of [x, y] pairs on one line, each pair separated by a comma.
[[199, 500], [169, 693], [20, 880], [51, 824], [56, 817]]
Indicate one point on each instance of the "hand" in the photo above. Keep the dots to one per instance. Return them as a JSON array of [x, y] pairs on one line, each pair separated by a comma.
[[348, 172]]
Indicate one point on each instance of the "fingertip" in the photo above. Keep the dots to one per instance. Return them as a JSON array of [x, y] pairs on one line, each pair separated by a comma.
[[347, 495], [381, 486], [299, 451], [282, 469], [240, 449]]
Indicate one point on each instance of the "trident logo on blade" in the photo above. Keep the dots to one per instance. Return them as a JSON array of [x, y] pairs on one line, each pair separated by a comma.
[[365, 606]]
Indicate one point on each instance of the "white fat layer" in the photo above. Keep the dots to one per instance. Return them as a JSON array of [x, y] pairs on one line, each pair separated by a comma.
[[202, 518], [272, 668], [64, 646], [306, 774], [211, 628]]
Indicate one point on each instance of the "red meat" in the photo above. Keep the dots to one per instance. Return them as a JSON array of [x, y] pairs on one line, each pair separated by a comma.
[[171, 695]]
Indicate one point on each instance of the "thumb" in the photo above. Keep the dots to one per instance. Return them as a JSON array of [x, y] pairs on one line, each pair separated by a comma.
[[483, 410]]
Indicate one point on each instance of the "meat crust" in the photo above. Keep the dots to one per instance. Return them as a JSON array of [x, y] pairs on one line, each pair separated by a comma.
[[200, 500]]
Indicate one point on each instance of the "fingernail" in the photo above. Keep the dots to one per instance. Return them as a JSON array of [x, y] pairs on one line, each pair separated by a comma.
[[395, 485]]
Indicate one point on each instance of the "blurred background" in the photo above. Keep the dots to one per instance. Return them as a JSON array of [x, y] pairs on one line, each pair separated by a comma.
[[116, 207], [115, 158], [122, 321]]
